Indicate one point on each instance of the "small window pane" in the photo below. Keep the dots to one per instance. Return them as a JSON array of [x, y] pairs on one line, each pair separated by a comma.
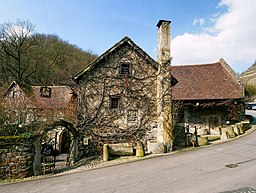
[[45, 92], [124, 69], [114, 102]]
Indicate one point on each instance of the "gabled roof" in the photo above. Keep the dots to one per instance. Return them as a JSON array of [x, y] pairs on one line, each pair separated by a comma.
[[206, 82], [13, 84], [60, 96], [124, 41]]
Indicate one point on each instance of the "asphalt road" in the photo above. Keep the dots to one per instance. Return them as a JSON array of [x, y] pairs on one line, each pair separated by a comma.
[[202, 170]]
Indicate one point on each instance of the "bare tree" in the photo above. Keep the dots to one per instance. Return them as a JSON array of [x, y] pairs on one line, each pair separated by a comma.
[[29, 57], [16, 46], [3, 117]]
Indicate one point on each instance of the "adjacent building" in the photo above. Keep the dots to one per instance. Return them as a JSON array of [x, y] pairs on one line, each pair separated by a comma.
[[40, 103], [211, 95]]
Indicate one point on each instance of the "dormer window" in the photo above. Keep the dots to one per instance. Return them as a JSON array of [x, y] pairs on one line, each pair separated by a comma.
[[45, 92], [15, 94], [125, 68]]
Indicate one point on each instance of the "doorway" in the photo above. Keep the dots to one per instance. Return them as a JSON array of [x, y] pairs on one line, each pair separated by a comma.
[[64, 141]]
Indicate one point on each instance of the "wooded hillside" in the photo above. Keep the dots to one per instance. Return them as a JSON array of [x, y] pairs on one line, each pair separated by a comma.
[[32, 58]]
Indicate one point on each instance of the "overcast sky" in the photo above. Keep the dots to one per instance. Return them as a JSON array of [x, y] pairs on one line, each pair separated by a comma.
[[202, 31]]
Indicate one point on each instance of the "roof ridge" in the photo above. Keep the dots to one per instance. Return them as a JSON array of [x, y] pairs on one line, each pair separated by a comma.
[[205, 81], [192, 65], [9, 87], [232, 73], [51, 86]]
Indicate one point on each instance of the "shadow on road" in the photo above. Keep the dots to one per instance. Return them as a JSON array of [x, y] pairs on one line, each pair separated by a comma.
[[253, 114]]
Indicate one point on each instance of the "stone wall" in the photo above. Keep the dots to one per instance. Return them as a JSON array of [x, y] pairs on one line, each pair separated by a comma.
[[209, 119], [16, 157], [206, 120]]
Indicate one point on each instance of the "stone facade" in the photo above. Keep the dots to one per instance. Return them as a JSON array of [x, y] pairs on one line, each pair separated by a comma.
[[44, 113], [133, 117], [211, 94], [206, 120], [16, 157]]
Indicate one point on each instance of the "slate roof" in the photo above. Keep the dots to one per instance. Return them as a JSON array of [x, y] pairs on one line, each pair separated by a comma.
[[204, 82]]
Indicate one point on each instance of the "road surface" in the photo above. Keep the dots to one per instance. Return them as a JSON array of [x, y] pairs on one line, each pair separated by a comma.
[[202, 170]]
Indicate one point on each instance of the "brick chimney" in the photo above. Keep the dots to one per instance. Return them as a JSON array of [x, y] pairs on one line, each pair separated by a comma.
[[164, 84]]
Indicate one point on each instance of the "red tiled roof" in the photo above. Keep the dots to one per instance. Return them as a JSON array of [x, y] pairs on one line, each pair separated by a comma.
[[60, 97], [206, 81]]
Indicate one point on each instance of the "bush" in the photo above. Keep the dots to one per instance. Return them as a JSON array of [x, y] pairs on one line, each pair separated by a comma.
[[25, 135], [250, 90]]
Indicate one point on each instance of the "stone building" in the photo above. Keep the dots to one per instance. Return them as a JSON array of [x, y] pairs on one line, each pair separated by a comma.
[[47, 111], [211, 95], [40, 103], [123, 94]]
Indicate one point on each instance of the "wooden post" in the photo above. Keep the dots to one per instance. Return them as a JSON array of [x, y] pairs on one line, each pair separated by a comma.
[[196, 137], [186, 135], [55, 148]]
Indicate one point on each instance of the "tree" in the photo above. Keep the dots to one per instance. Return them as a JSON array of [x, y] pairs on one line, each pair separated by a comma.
[[250, 90], [32, 58], [3, 117], [59, 60], [16, 46]]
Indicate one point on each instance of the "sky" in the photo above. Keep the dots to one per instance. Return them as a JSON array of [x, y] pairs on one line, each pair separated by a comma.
[[202, 31]]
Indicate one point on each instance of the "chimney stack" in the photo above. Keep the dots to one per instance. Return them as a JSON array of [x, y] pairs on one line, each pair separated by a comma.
[[164, 50], [164, 134]]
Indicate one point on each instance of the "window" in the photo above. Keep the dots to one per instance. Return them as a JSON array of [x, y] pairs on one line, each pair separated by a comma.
[[114, 102], [15, 94], [45, 92], [125, 68]]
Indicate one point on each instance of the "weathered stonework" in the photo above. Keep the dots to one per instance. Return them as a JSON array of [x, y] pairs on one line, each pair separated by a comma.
[[206, 120], [16, 157], [125, 96], [135, 119]]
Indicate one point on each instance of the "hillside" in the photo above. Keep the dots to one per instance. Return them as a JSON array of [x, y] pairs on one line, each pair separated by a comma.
[[31, 58], [249, 76]]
